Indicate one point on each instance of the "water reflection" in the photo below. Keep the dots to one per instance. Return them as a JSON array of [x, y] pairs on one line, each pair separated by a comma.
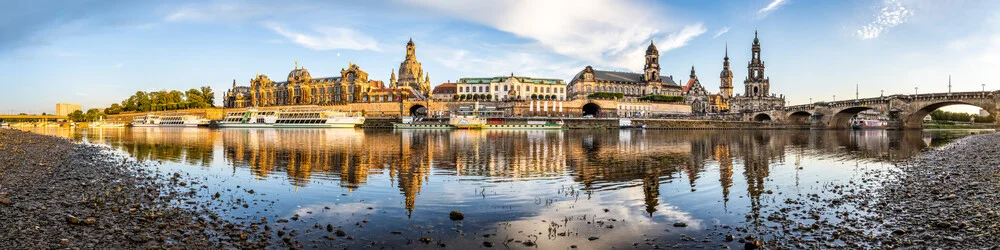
[[516, 178]]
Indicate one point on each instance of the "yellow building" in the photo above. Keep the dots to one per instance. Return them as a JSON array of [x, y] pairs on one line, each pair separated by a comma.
[[64, 109], [301, 89]]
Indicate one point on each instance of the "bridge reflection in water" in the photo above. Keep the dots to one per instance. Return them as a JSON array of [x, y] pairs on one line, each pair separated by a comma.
[[518, 177]]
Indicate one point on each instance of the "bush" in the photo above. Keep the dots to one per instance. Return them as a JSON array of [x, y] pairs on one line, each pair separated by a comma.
[[606, 95], [662, 98]]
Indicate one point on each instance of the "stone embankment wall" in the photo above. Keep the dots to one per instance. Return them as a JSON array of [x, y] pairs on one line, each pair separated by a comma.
[[609, 123], [210, 113]]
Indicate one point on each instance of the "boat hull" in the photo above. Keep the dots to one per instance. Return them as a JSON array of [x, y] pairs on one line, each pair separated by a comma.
[[421, 126], [163, 125], [258, 125], [525, 126]]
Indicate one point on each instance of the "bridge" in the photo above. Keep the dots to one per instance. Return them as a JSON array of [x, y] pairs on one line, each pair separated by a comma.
[[904, 111], [17, 118]]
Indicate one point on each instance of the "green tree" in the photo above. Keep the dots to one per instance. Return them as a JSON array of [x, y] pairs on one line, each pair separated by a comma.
[[208, 96], [76, 116], [94, 115]]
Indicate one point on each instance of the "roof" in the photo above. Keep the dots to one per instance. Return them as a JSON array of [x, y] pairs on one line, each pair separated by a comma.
[[689, 85], [499, 79], [314, 80], [445, 88], [628, 77]]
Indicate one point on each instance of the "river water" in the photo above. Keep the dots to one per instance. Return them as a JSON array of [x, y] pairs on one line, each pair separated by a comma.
[[593, 189]]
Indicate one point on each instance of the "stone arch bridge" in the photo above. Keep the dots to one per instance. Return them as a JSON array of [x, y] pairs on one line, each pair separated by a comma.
[[904, 111]]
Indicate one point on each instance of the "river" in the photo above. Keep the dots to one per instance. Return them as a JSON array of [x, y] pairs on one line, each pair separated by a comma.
[[592, 189]]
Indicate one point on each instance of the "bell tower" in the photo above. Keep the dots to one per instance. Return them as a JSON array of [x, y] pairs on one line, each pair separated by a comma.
[[756, 84], [651, 71], [726, 77]]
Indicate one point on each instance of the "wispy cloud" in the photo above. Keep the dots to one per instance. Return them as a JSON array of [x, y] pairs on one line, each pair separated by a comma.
[[720, 32], [890, 15], [602, 32], [682, 37], [774, 5], [327, 38]]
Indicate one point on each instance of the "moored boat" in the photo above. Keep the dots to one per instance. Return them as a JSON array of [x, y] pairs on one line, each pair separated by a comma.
[[151, 120], [292, 118], [857, 123]]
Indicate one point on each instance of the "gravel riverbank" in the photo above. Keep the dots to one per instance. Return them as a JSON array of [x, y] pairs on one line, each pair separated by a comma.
[[948, 198], [58, 194]]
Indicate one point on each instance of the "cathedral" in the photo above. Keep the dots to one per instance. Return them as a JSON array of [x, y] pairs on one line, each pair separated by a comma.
[[757, 93], [411, 74], [631, 85]]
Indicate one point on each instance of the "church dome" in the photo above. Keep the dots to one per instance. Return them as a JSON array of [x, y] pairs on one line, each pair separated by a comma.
[[651, 49], [298, 74]]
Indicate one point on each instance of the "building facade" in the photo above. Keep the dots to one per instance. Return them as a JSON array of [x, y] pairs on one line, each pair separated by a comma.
[[757, 87], [695, 95], [505, 88], [631, 85], [301, 88], [411, 73], [444, 91], [64, 109], [720, 103]]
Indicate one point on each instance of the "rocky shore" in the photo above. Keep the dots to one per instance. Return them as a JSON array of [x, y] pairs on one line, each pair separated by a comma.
[[58, 194], [948, 198]]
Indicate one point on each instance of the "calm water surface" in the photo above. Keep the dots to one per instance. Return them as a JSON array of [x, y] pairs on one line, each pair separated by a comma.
[[553, 188]]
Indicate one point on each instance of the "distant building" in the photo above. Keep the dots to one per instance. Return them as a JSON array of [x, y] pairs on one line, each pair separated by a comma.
[[695, 95], [631, 85], [512, 87], [444, 92], [757, 94], [64, 109]]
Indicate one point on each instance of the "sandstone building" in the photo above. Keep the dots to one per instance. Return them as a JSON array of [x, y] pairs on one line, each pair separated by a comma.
[[757, 93], [411, 74], [632, 85]]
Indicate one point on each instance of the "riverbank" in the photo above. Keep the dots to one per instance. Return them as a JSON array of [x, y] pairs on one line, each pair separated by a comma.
[[945, 198], [58, 194], [612, 123]]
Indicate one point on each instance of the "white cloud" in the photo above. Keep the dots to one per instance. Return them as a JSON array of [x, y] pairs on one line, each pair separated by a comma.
[[774, 5], [724, 30], [599, 32], [890, 15], [327, 38]]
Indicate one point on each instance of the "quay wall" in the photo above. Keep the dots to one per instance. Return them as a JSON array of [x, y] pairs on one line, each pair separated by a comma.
[[612, 123]]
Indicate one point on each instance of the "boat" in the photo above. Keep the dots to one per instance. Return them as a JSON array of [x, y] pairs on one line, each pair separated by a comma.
[[409, 122], [626, 123], [151, 120], [467, 122], [858, 123], [497, 123], [291, 118]]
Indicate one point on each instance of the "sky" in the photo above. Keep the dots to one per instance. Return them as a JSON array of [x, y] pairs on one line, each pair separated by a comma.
[[95, 53]]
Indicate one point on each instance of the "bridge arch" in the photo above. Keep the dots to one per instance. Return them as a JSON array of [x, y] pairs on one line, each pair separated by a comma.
[[592, 109], [842, 119], [799, 118], [418, 110], [916, 118], [762, 117]]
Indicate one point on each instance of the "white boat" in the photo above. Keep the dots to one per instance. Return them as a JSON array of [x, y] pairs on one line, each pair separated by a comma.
[[857, 123], [151, 120], [626, 123], [310, 118]]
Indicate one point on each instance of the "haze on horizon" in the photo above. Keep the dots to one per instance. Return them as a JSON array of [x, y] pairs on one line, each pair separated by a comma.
[[100, 52]]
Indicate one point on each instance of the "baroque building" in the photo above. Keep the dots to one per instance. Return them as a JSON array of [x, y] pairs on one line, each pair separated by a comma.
[[411, 74], [632, 85], [757, 93], [695, 95], [301, 88]]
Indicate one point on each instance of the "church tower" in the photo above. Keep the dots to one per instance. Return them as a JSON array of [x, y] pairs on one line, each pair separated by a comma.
[[726, 77], [651, 71], [756, 84]]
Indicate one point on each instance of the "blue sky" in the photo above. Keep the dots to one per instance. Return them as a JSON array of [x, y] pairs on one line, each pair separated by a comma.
[[99, 52]]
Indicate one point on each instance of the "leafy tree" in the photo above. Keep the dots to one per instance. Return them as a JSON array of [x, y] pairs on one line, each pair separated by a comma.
[[662, 98], [76, 116], [208, 96], [606, 95], [94, 115], [534, 96]]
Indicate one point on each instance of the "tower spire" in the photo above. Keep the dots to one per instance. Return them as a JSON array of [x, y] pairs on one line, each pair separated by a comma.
[[727, 49]]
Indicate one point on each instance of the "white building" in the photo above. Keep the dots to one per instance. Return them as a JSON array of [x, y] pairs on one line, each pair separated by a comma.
[[511, 87]]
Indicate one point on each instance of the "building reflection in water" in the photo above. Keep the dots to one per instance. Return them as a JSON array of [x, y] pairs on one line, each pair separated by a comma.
[[597, 160]]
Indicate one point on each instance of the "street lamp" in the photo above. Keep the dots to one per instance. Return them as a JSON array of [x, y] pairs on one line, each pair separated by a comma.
[[882, 93], [984, 87], [915, 90], [835, 98]]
